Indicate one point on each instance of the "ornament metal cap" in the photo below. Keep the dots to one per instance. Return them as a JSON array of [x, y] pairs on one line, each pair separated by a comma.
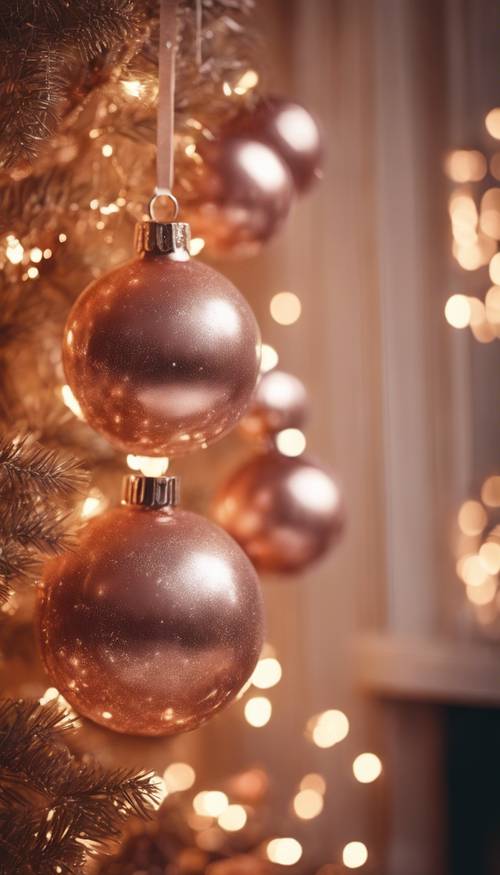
[[137, 489], [163, 238]]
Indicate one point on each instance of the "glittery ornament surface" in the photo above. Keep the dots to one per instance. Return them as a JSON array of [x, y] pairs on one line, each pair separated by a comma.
[[162, 355], [284, 512], [152, 623]]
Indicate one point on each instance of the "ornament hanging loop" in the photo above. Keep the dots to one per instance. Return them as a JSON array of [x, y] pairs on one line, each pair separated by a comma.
[[163, 206]]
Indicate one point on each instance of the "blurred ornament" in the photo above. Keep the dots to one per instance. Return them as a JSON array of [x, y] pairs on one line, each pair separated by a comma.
[[280, 402], [290, 130], [154, 621], [242, 197], [285, 512], [162, 354]]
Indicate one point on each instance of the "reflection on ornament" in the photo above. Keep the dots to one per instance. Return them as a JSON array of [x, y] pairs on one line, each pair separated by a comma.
[[285, 512], [162, 354], [279, 403], [243, 195], [291, 131], [154, 621]]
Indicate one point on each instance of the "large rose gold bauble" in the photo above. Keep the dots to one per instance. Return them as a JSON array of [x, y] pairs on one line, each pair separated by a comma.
[[152, 623], [243, 196], [279, 402], [162, 355], [284, 512], [291, 130]]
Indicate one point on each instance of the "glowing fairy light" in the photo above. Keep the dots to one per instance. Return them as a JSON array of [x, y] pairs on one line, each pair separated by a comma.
[[366, 768], [196, 245], [132, 87], [291, 442], [150, 466], [269, 358], [492, 123], [92, 504], [313, 781], [246, 82], [50, 695], [284, 852], [210, 803], [354, 855], [179, 777], [489, 555], [482, 594], [15, 250], [107, 150], [328, 728], [267, 673], [285, 308], [258, 711], [33, 273], [36, 254], [233, 818], [62, 238], [71, 402], [457, 311], [307, 804]]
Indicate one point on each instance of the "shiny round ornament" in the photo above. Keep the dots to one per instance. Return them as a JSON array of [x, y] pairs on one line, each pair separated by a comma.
[[290, 130], [279, 402], [285, 512], [243, 195], [153, 622], [162, 354]]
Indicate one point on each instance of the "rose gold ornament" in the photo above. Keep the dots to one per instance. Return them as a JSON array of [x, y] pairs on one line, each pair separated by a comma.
[[284, 512], [162, 354], [154, 622], [243, 195], [279, 402], [291, 131]]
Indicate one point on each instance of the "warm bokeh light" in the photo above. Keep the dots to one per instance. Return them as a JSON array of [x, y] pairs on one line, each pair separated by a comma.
[[107, 150], [466, 165], [308, 804], [267, 673], [472, 518], [285, 308], [196, 245], [492, 122], [494, 269], [490, 491], [210, 803], [291, 442], [233, 818], [246, 82], [354, 855], [328, 728], [457, 311], [36, 254], [313, 781], [483, 594], [150, 466], [258, 711], [284, 852], [15, 250], [71, 402], [178, 777], [492, 305], [133, 87], [161, 790], [472, 571], [489, 220], [489, 554], [93, 504], [269, 358], [367, 767]]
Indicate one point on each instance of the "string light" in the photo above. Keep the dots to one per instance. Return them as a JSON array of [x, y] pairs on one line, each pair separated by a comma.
[[284, 852], [267, 673], [258, 711], [210, 803], [269, 358], [354, 855], [492, 123], [457, 311], [179, 777], [367, 768], [285, 308], [233, 818], [307, 804]]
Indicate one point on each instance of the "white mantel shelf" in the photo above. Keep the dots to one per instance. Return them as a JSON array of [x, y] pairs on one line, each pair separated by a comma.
[[429, 669]]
